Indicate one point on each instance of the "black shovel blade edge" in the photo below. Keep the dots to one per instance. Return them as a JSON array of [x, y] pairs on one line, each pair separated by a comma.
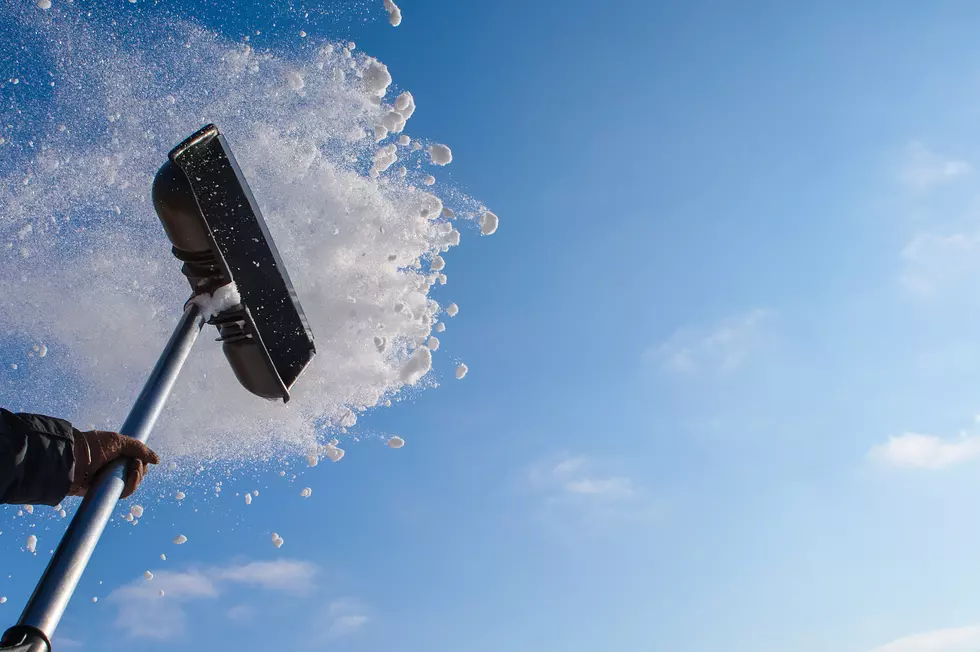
[[266, 339]]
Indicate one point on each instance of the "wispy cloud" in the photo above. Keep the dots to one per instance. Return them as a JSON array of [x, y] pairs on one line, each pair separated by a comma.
[[923, 168], [723, 348], [589, 489], [960, 639], [934, 262], [143, 613], [346, 616], [915, 451]]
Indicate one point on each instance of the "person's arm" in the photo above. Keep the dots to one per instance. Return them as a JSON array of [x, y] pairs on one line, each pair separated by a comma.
[[36, 458], [43, 459]]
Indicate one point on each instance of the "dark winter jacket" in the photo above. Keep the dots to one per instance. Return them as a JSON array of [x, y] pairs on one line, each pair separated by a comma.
[[37, 458]]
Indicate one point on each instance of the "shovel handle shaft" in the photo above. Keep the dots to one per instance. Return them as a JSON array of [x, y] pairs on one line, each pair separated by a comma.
[[54, 590]]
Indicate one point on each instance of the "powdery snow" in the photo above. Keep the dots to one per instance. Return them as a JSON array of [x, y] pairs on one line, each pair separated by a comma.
[[44, 4], [148, 575], [461, 371], [428, 180], [433, 343], [306, 493], [31, 543], [440, 154], [3, 599], [29, 509], [306, 155], [438, 262], [396, 442], [180, 539], [488, 223], [417, 366], [179, 495], [394, 13], [248, 499], [137, 511], [439, 327], [452, 310], [277, 540], [163, 557]]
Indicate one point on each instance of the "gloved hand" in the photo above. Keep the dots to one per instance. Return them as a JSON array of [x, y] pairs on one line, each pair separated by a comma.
[[96, 448]]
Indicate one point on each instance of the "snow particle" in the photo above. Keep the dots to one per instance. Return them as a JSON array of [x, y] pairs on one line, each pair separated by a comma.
[[396, 442], [461, 371], [161, 594], [306, 493], [31, 543], [29, 509], [181, 539], [3, 599], [418, 365], [488, 223], [148, 575], [404, 140], [44, 4], [42, 351], [179, 495], [439, 327], [94, 599], [438, 263], [276, 540], [137, 511], [394, 13], [163, 557], [428, 180], [433, 343], [440, 154], [248, 499], [452, 310]]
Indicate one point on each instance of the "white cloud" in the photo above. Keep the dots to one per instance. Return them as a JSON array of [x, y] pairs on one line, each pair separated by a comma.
[[933, 262], [723, 348], [600, 486], [923, 168], [143, 613], [961, 639], [915, 451], [346, 616]]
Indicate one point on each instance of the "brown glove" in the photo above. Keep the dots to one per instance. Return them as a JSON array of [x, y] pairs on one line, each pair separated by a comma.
[[96, 448]]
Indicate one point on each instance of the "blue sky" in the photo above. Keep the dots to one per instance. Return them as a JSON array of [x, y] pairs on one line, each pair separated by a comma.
[[723, 355]]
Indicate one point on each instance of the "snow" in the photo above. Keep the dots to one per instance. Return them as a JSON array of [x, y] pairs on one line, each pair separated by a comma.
[[180, 539], [44, 4], [295, 80], [433, 343], [31, 543], [440, 154], [306, 493], [452, 310], [179, 495], [461, 371], [376, 77], [62, 513], [276, 540], [137, 511], [417, 366], [437, 263], [488, 223], [222, 299], [42, 351], [3, 599], [394, 13], [335, 227], [129, 517], [396, 442], [439, 327], [94, 599], [163, 557], [148, 575], [333, 453], [248, 499], [428, 180], [256, 493], [161, 593], [29, 509]]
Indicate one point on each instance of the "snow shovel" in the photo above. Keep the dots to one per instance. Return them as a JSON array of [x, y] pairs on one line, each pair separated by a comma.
[[217, 231]]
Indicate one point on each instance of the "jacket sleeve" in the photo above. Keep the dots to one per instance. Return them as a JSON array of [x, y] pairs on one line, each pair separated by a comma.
[[37, 458]]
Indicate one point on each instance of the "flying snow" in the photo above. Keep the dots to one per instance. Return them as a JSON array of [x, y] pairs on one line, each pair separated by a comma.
[[452, 310], [461, 371], [394, 13], [440, 154], [31, 543], [352, 220], [180, 539], [396, 442], [488, 223]]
